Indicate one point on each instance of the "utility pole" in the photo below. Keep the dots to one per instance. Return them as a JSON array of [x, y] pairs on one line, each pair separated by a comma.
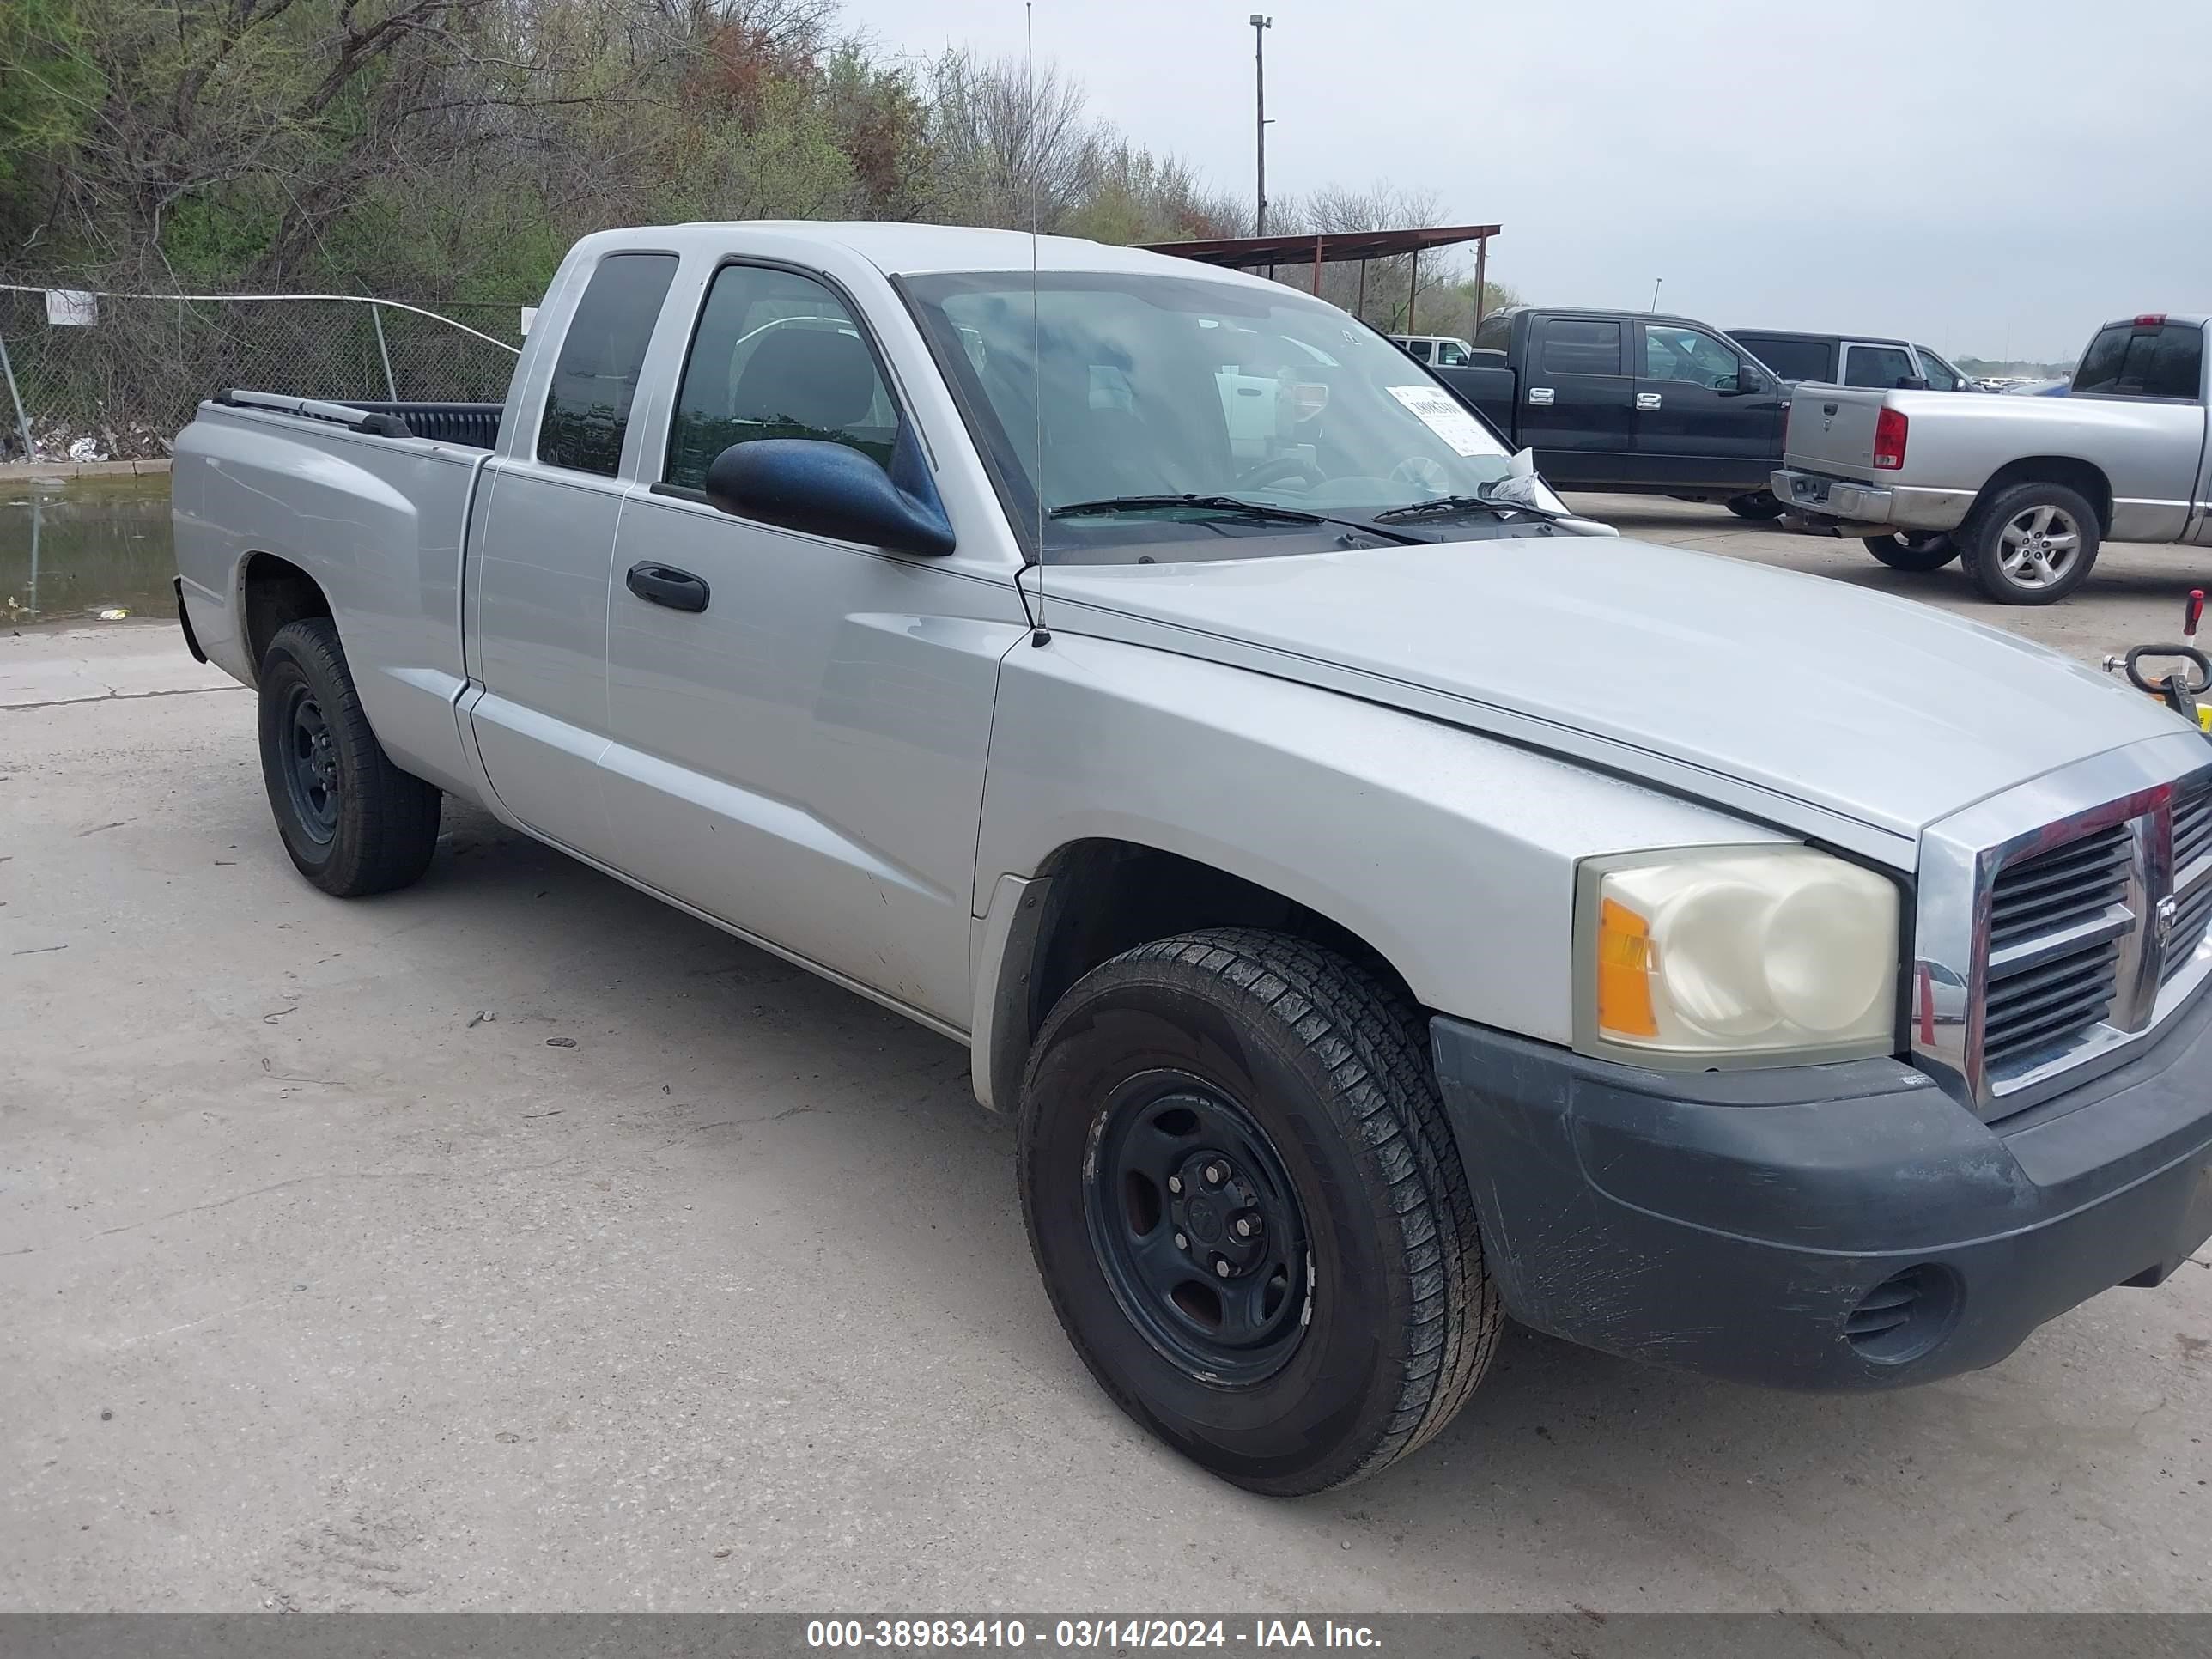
[[1260, 25]]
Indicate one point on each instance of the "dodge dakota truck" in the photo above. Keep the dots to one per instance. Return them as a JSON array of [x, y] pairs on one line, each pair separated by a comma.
[[1387, 903], [2024, 491]]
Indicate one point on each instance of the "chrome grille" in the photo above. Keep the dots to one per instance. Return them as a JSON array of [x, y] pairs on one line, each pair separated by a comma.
[[2059, 924], [2192, 830], [2054, 925], [2055, 890], [2192, 841]]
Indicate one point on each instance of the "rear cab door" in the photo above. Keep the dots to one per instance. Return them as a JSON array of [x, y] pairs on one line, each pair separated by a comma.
[[536, 587], [1577, 397]]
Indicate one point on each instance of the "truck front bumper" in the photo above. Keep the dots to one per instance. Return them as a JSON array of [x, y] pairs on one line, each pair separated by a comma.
[[1845, 1226]]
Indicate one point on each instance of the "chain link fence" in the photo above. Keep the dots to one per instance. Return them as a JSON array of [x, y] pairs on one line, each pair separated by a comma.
[[121, 386]]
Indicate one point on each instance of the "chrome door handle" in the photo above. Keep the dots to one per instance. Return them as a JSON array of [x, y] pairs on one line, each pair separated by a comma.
[[1647, 400], [1540, 395]]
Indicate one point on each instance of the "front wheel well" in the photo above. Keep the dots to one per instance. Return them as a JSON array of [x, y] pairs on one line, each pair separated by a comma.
[[276, 592], [1103, 897], [2083, 477]]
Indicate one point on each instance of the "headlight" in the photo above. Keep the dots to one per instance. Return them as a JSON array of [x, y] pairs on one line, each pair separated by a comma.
[[1711, 956]]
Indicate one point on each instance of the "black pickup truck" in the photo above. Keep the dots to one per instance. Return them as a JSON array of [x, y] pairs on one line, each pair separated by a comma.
[[1630, 401]]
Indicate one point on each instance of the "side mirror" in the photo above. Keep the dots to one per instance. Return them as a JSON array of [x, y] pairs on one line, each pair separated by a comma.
[[1910, 383], [823, 488], [1749, 380]]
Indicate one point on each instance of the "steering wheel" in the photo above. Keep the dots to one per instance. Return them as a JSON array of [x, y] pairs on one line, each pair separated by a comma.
[[1422, 469], [1278, 467]]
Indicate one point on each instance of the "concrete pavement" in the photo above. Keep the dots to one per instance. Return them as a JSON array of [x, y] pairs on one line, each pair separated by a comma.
[[515, 1242]]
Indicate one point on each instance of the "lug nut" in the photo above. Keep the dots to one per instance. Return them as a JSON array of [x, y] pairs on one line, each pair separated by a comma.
[[1213, 1175], [1221, 1266], [1183, 1241], [1175, 1183], [1247, 1226]]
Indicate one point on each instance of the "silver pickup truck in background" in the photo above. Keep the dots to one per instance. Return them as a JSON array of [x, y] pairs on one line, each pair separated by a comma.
[[1387, 902], [2024, 489]]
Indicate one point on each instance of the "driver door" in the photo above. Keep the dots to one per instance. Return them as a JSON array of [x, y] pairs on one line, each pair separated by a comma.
[[799, 724], [1692, 426]]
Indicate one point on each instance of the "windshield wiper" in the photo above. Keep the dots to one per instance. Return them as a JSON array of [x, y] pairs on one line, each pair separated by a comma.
[[1444, 506], [1209, 503]]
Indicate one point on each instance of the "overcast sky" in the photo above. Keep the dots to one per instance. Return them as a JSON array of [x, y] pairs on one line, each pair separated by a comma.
[[1992, 176]]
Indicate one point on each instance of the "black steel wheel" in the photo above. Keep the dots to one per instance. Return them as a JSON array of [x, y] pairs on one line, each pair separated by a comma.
[[1247, 1207], [353, 823], [1198, 1228], [311, 765]]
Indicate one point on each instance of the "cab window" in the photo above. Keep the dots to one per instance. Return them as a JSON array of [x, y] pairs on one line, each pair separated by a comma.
[[1885, 367], [777, 355], [1674, 353]]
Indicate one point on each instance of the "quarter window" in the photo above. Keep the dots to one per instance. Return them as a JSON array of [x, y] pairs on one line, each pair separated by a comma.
[[776, 356], [587, 408]]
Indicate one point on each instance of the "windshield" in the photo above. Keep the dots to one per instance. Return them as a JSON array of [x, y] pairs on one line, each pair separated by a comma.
[[1136, 386]]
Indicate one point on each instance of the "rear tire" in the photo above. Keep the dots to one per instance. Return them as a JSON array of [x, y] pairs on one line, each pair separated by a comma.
[[1197, 1086], [1760, 506], [1913, 550], [2033, 544], [352, 822]]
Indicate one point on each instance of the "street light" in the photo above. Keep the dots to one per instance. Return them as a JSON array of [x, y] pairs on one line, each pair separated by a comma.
[[1260, 24]]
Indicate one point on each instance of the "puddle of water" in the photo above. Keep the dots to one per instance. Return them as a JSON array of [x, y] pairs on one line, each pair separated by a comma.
[[69, 551]]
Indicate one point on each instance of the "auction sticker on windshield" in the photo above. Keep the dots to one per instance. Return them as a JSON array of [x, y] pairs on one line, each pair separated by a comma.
[[1446, 418]]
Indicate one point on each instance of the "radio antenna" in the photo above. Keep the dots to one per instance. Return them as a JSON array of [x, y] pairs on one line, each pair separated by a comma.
[[1039, 633]]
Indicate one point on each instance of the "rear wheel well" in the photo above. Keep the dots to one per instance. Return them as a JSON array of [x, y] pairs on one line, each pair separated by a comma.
[[1106, 897], [276, 592], [2081, 477]]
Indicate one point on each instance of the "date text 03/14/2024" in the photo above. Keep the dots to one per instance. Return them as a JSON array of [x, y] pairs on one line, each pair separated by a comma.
[[1084, 1634]]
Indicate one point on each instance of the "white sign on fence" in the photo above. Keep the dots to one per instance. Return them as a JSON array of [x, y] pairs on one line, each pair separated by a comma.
[[72, 307], [529, 316]]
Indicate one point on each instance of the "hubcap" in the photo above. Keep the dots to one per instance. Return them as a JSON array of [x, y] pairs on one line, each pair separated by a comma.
[[1198, 1230], [2039, 546], [311, 770]]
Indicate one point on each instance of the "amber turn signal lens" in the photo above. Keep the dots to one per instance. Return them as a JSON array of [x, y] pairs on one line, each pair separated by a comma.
[[1624, 973]]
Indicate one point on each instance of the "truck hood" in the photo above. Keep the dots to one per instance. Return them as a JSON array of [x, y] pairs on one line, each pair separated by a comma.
[[1878, 710]]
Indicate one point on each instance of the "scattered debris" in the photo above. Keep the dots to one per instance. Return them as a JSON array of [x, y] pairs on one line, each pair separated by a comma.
[[38, 949], [97, 828], [555, 1112], [560, 1042], [105, 1415], [480, 1017], [271, 1019], [114, 613]]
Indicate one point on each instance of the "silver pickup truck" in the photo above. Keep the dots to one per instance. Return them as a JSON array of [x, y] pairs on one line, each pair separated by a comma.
[[2024, 489], [1387, 903]]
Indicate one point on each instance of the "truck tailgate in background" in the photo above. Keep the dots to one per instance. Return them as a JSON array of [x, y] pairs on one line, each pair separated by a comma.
[[1831, 430]]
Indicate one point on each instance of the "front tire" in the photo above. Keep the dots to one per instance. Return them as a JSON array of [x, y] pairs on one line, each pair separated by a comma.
[[1248, 1209], [1913, 550], [352, 822], [2032, 544]]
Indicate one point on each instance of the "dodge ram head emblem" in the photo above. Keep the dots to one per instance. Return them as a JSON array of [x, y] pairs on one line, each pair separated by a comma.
[[2168, 908]]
